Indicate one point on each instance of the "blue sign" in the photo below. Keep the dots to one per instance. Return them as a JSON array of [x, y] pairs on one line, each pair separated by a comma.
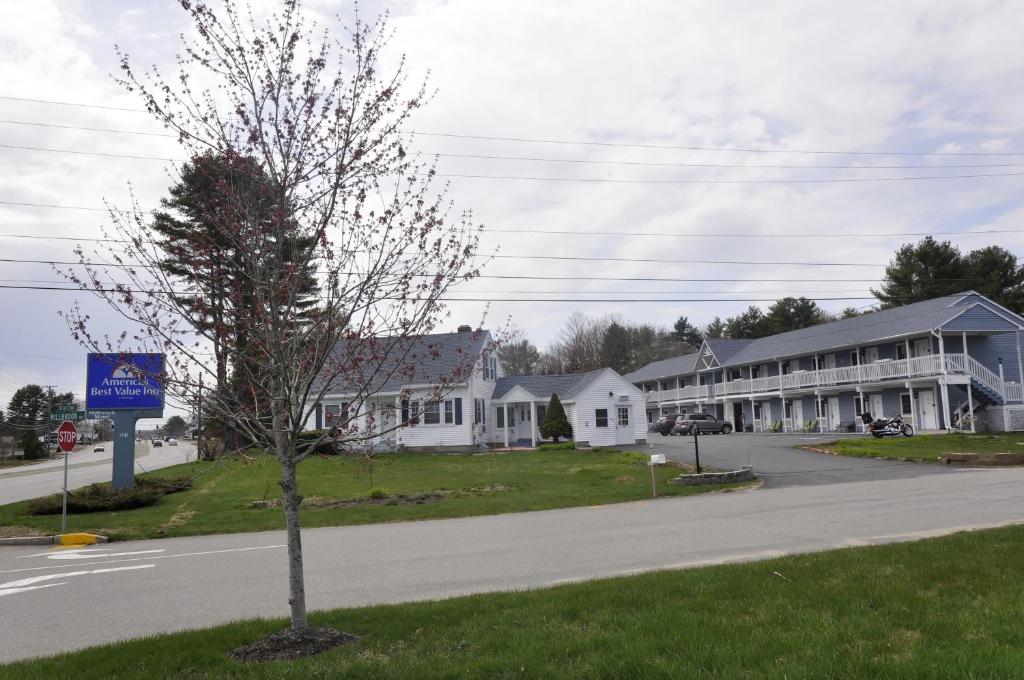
[[118, 382]]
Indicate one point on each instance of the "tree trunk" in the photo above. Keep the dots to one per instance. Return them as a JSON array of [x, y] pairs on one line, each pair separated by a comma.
[[291, 500]]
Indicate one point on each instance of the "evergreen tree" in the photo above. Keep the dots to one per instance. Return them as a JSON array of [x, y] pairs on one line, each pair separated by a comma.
[[687, 333], [555, 423]]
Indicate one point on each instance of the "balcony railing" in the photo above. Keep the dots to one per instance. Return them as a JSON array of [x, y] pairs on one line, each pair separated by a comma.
[[929, 365]]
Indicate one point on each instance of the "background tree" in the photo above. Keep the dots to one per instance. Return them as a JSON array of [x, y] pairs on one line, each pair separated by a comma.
[[716, 328], [790, 314], [175, 426], [687, 333], [30, 407], [519, 356], [750, 324], [320, 118], [616, 348], [995, 273], [849, 313], [556, 424]]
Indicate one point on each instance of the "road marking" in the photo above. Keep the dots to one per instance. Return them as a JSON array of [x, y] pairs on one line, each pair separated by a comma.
[[151, 557], [25, 584], [82, 555]]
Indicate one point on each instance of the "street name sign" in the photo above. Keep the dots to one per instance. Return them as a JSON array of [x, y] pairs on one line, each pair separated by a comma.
[[73, 416]]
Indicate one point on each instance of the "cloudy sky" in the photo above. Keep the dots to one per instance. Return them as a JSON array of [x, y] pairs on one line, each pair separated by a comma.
[[648, 107]]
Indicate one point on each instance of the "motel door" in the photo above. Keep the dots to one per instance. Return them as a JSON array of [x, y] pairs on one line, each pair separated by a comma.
[[798, 413], [833, 413], [926, 410], [877, 411]]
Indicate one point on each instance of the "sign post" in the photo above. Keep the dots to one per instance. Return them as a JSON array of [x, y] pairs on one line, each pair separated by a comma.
[[656, 459], [67, 438], [127, 387]]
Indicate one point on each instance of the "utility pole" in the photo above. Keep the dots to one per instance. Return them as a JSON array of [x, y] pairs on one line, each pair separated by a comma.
[[199, 420], [49, 409]]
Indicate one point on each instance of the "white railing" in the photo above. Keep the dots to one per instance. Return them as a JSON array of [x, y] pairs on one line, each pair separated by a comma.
[[929, 365]]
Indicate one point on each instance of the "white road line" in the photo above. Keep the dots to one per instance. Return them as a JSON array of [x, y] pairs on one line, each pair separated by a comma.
[[92, 555], [21, 585], [151, 557]]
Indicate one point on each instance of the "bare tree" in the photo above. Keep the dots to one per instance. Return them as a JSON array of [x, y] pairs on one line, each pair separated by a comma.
[[318, 121]]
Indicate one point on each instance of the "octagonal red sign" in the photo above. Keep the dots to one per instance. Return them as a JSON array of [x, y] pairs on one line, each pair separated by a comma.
[[67, 436]]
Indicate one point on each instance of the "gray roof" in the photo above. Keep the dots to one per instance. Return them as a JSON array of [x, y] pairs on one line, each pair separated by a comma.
[[566, 386], [664, 368], [918, 317], [390, 364]]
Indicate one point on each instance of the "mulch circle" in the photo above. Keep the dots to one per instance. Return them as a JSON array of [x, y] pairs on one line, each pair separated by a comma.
[[289, 644]]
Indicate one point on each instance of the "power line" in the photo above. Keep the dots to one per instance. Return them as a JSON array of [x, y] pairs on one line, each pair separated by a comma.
[[538, 159], [534, 140], [461, 299], [573, 232], [589, 180]]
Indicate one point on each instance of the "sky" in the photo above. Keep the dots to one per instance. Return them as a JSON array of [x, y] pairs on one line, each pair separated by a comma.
[[651, 87]]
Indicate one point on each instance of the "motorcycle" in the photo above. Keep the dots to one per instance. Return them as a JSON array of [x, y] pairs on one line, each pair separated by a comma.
[[887, 427]]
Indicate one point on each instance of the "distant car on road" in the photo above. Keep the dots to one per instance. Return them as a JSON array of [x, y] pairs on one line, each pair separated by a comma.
[[157, 442], [700, 423], [99, 448], [172, 442]]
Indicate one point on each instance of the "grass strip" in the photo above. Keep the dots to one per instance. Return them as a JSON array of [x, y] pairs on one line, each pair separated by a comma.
[[924, 448]]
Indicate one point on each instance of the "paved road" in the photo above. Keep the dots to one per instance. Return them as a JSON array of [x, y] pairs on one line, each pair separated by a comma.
[[65, 600], [84, 467], [778, 462]]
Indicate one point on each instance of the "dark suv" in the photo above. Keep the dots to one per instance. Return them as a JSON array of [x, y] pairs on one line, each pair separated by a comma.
[[663, 425], [700, 423]]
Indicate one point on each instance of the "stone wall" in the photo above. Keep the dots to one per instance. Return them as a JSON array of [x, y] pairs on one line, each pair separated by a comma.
[[744, 474]]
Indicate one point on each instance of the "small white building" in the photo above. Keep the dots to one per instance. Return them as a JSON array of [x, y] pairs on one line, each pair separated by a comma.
[[603, 408], [485, 409]]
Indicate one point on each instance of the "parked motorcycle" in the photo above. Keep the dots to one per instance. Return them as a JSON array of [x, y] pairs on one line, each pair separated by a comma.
[[887, 427]]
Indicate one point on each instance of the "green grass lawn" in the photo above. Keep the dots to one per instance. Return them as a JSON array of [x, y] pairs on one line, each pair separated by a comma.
[[927, 447], [943, 608], [221, 498]]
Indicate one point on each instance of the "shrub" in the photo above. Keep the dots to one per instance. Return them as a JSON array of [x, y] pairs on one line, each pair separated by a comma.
[[328, 447], [555, 423], [31, 447], [378, 493], [96, 498], [560, 446], [101, 498]]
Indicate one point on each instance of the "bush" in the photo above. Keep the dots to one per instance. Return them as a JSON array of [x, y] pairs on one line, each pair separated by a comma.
[[327, 448], [31, 447], [377, 492], [560, 446], [101, 498], [555, 423]]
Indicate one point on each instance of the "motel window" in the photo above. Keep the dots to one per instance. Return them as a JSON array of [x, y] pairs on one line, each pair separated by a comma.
[[623, 416], [854, 361], [601, 417], [858, 405], [905, 403], [431, 413], [789, 409], [757, 411], [755, 371], [901, 351]]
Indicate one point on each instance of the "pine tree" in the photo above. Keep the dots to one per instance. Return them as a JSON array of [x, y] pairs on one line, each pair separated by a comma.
[[555, 423]]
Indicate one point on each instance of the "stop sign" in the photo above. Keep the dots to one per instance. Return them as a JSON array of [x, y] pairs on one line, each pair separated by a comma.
[[67, 436]]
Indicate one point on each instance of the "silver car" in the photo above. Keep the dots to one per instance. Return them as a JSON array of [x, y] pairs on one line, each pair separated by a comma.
[[701, 423]]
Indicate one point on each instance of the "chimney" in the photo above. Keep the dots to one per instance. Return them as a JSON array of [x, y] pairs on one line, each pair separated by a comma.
[[465, 328]]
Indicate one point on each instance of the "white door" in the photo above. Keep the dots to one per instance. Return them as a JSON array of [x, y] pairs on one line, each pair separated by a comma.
[[386, 414], [798, 414], [922, 347], [624, 426], [871, 355], [876, 406], [830, 361], [926, 410], [833, 413]]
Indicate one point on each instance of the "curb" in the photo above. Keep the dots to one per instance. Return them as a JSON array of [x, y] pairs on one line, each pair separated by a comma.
[[59, 539]]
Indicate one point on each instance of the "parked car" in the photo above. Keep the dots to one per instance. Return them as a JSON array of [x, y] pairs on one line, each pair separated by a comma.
[[98, 449], [663, 425], [157, 442], [700, 423]]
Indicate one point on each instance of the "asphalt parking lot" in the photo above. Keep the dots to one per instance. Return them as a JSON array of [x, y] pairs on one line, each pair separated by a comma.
[[777, 460]]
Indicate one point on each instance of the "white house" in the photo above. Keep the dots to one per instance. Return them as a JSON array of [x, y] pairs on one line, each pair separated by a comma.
[[486, 407]]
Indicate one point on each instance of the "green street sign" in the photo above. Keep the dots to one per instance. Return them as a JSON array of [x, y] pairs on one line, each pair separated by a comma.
[[73, 416]]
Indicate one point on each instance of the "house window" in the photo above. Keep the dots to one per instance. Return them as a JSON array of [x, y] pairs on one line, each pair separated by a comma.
[[541, 411], [500, 416], [478, 412], [336, 415], [901, 352], [491, 368], [623, 416], [431, 413], [410, 412], [905, 403], [858, 405], [449, 412], [666, 385], [601, 417]]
